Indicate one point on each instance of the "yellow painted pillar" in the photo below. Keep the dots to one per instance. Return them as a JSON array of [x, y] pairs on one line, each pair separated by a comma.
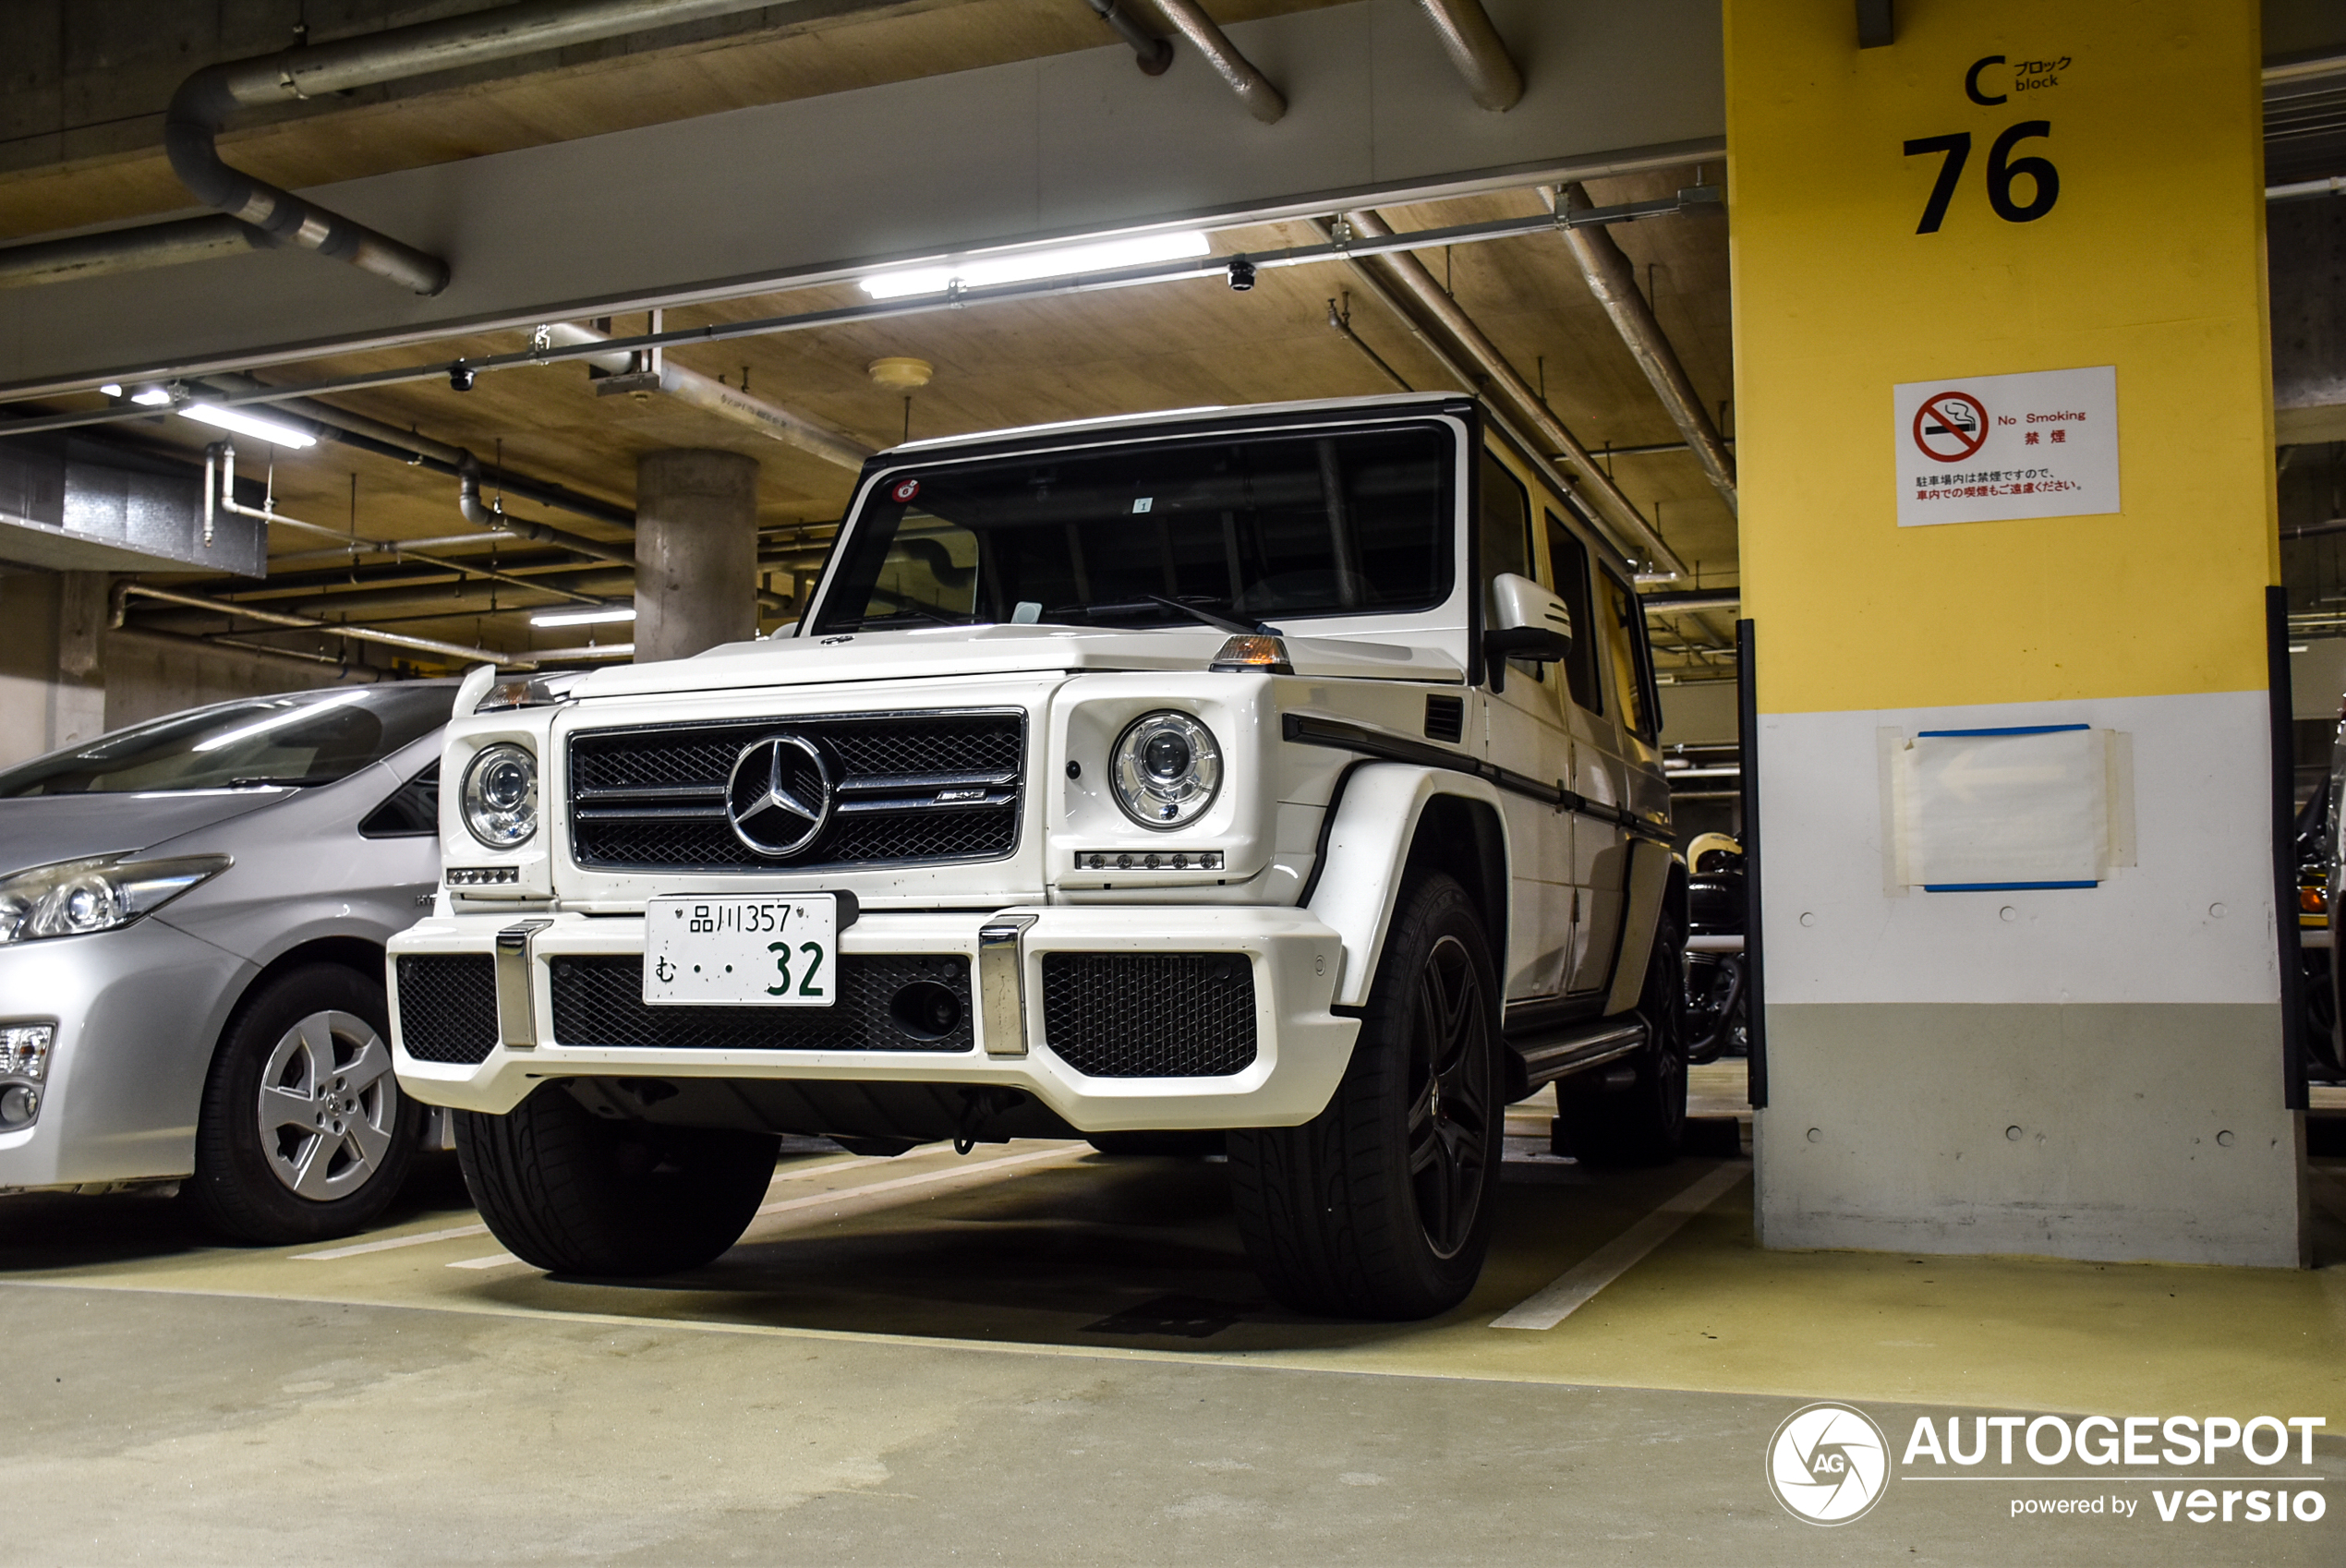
[[2005, 440]]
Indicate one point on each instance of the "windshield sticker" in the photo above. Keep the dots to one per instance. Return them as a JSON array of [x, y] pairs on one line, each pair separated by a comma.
[[905, 490]]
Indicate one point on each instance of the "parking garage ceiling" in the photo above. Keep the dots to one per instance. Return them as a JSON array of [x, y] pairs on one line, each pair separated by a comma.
[[83, 150]]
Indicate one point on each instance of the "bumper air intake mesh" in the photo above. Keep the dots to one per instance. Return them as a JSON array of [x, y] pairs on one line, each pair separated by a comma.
[[448, 1007], [1150, 1015]]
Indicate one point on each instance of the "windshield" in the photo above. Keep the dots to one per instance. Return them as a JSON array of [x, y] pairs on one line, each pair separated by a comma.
[[1248, 529], [299, 738]]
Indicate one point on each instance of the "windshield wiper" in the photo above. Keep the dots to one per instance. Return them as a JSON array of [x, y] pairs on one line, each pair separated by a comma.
[[282, 781], [874, 622]]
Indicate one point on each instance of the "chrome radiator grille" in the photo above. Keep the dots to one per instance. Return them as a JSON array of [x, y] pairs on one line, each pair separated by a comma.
[[911, 787]]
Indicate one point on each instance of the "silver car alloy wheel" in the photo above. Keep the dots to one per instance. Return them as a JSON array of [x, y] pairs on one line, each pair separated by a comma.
[[328, 1105]]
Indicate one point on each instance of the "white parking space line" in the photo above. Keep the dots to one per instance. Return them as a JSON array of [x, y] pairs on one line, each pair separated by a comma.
[[390, 1243], [494, 1261], [1573, 1288]]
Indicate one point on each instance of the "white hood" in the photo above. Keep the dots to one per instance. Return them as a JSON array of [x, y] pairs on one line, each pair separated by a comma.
[[933, 651]]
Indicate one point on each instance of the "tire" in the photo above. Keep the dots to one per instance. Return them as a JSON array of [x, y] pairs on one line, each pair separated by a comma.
[[572, 1193], [1166, 1145], [1644, 1122], [303, 1133], [1381, 1206]]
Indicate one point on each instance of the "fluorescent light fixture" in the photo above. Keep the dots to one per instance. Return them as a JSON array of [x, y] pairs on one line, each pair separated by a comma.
[[294, 715], [583, 615], [1100, 256], [151, 397], [2297, 647], [112, 388], [258, 426]]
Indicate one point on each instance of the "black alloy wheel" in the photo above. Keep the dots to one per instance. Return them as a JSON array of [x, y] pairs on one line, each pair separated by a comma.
[[1381, 1206], [1450, 1096]]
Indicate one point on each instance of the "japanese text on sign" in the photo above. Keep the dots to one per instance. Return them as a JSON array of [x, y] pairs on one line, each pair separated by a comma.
[[1985, 449]]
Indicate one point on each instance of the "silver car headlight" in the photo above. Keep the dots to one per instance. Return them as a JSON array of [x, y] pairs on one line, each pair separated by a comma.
[[501, 796], [75, 897], [1166, 769]]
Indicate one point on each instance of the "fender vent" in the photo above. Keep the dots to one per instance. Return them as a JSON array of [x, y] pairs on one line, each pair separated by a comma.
[[1446, 719]]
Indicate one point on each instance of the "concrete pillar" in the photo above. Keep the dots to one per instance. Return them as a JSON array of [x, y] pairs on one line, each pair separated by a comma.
[[2023, 993], [77, 701], [696, 551]]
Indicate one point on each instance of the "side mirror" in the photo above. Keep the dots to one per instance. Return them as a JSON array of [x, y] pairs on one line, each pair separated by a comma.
[[1526, 623]]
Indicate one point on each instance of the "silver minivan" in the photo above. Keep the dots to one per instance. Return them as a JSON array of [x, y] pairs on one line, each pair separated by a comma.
[[192, 919]]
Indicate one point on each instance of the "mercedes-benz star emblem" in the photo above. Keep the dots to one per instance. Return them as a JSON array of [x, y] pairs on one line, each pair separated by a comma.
[[779, 795]]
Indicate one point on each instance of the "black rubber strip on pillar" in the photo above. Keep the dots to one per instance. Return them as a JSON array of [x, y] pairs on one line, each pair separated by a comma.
[[1755, 968], [2283, 725]]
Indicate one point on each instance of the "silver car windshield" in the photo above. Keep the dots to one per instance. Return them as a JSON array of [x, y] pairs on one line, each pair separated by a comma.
[[297, 738], [1342, 524]]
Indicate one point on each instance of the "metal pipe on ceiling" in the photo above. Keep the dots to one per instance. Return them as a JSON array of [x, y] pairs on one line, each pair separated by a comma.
[[155, 244], [1613, 278], [417, 450], [487, 514], [1687, 600], [1150, 53], [220, 458], [1253, 89], [1477, 49], [714, 396], [128, 589], [444, 596], [179, 642], [1501, 378], [202, 105]]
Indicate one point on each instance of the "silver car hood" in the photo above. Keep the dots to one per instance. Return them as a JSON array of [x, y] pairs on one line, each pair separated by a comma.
[[45, 830]]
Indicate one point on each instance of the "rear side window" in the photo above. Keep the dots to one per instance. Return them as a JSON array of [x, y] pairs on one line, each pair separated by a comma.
[[1569, 558], [412, 811], [1506, 523], [1623, 629]]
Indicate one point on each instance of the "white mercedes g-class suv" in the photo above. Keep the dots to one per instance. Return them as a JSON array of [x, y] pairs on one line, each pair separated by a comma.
[[1285, 773]]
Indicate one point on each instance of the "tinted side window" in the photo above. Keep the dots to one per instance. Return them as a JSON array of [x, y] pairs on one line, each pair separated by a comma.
[[1506, 523], [1569, 557], [412, 811], [1625, 654]]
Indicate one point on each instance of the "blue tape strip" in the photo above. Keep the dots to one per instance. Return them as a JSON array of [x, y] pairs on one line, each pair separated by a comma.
[[1998, 887], [2014, 730]]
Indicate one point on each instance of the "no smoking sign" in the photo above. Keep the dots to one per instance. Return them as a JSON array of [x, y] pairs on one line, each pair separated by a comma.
[[1987, 449]]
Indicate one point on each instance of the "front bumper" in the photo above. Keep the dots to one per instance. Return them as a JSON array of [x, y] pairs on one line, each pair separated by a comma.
[[137, 1012], [1301, 1046]]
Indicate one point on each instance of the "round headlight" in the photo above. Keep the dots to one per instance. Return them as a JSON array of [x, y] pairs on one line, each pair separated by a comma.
[[1166, 770], [501, 796]]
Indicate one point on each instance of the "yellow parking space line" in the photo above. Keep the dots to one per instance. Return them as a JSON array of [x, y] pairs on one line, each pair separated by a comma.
[[1571, 1290], [848, 1199], [389, 1244], [896, 1184]]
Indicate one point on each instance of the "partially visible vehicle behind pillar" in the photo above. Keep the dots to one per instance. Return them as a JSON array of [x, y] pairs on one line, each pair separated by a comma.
[[1282, 773]]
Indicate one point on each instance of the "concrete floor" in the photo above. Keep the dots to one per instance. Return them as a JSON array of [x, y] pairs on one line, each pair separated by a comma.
[[1038, 1354]]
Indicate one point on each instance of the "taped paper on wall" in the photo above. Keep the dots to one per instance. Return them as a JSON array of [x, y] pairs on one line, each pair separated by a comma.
[[2032, 806]]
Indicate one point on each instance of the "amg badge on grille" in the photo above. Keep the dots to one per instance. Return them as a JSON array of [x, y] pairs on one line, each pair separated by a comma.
[[779, 797]]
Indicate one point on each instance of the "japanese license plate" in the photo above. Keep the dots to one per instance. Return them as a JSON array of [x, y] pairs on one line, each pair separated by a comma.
[[734, 949]]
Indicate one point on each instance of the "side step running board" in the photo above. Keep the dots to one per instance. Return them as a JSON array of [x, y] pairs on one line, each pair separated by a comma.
[[1546, 1057]]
